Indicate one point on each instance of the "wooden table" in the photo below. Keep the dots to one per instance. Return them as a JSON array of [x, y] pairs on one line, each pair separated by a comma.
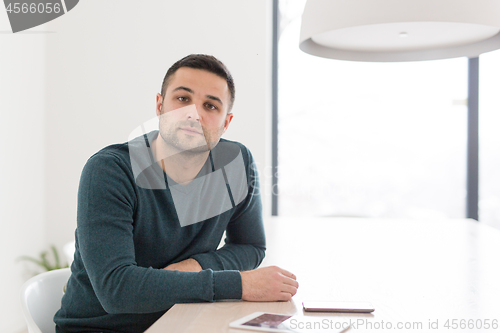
[[426, 275]]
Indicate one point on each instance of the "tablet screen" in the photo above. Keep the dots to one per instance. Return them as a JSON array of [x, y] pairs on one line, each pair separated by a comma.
[[268, 320]]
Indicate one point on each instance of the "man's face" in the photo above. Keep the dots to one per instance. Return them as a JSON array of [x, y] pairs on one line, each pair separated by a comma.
[[194, 112]]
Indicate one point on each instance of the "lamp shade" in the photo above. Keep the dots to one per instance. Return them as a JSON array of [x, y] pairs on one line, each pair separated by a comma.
[[400, 30]]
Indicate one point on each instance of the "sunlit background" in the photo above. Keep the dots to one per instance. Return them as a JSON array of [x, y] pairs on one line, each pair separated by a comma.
[[380, 139]]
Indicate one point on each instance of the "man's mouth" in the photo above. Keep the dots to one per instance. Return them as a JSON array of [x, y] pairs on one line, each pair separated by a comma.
[[191, 131]]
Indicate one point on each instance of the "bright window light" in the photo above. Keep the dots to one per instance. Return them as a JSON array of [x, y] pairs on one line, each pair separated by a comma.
[[369, 139], [489, 139]]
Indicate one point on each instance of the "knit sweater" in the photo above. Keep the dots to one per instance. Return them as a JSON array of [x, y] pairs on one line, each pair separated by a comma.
[[128, 232]]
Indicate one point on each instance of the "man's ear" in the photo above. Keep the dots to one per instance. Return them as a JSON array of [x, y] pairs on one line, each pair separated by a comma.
[[159, 103], [229, 118]]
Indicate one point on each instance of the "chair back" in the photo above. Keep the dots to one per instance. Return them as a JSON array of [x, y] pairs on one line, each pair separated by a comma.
[[41, 298]]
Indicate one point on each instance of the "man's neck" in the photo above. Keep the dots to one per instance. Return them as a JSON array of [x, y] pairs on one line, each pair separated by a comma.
[[182, 167]]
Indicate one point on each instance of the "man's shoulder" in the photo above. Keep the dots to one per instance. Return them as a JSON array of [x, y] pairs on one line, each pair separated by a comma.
[[227, 150], [123, 152], [118, 151], [235, 144], [108, 168], [110, 157]]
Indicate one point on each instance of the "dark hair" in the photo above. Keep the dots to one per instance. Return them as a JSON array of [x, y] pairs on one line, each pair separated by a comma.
[[205, 62]]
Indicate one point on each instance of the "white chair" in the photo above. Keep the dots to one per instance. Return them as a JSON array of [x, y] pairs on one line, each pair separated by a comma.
[[41, 298]]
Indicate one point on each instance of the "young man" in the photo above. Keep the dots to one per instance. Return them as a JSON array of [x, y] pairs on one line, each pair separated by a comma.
[[152, 212]]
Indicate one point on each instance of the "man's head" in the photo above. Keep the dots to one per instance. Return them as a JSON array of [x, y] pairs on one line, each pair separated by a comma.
[[204, 62], [194, 105]]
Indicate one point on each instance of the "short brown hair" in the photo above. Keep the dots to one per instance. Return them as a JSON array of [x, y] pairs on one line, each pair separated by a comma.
[[205, 62]]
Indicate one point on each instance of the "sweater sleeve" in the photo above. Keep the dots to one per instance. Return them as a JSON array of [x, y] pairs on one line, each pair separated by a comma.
[[106, 203], [245, 242]]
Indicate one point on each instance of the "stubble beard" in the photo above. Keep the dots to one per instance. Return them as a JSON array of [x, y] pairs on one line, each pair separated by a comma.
[[172, 137], [212, 139]]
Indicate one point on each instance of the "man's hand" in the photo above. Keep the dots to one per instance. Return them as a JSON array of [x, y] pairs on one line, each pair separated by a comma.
[[188, 265], [268, 284]]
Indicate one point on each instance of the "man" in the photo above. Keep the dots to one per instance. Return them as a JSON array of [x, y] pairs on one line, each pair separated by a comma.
[[152, 212]]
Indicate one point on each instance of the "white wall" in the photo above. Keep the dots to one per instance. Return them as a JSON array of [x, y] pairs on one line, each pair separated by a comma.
[[106, 62], [21, 163], [90, 82]]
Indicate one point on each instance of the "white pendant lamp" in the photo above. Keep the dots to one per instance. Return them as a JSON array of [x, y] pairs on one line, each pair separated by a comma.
[[400, 30]]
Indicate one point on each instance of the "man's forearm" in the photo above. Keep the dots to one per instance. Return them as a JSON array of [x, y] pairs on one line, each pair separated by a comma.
[[232, 256], [120, 292]]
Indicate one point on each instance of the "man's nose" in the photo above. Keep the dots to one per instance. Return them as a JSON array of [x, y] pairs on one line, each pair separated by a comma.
[[192, 113]]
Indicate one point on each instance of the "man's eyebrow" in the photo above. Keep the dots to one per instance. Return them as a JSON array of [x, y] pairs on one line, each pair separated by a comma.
[[215, 98], [184, 88]]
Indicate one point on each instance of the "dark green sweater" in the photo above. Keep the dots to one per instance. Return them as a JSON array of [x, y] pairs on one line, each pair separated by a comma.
[[126, 233]]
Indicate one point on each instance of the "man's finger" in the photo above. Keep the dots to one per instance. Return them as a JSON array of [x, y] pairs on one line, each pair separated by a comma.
[[287, 273], [289, 289], [291, 282], [284, 296]]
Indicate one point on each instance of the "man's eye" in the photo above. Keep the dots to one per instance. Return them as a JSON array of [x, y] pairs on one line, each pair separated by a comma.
[[182, 99], [210, 106]]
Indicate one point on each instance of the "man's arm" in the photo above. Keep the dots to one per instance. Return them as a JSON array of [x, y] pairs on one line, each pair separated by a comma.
[[245, 249], [264, 284], [245, 241]]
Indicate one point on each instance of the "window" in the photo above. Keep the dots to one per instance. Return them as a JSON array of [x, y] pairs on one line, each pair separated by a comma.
[[370, 139], [489, 139]]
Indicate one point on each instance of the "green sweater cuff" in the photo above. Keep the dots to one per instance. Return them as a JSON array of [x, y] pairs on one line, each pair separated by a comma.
[[227, 285]]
